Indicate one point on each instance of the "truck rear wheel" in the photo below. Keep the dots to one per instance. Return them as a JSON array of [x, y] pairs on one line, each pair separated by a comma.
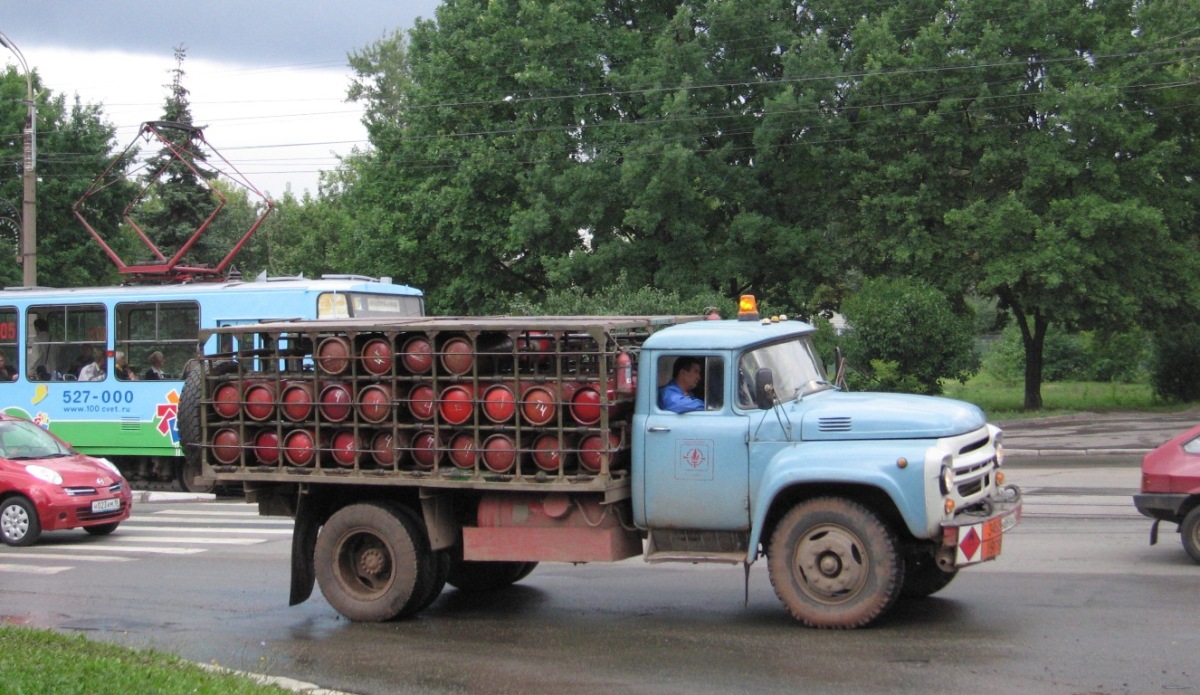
[[472, 576], [1189, 532], [834, 564], [190, 438], [368, 561]]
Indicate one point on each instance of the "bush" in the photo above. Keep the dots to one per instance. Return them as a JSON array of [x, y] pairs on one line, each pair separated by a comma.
[[1086, 356], [905, 330], [1175, 372]]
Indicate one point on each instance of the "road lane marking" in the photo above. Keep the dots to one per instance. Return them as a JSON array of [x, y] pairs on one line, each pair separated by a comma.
[[32, 569]]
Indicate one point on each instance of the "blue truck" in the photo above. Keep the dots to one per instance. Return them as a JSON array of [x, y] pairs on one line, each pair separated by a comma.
[[416, 453]]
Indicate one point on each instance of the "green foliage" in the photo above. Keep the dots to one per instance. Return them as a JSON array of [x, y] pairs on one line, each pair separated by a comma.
[[1175, 373], [1085, 356], [908, 334], [619, 300]]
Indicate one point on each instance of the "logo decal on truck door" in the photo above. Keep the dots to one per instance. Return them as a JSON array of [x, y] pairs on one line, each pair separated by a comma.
[[694, 459]]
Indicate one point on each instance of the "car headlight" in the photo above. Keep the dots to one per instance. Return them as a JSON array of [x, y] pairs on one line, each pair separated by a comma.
[[43, 473], [109, 465]]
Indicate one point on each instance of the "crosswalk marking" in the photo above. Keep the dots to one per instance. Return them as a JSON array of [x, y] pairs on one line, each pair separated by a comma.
[[116, 548], [223, 522], [30, 554], [135, 526], [206, 512], [188, 539], [33, 569]]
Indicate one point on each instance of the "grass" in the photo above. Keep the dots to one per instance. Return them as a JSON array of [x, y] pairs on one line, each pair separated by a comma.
[[41, 662], [1002, 401]]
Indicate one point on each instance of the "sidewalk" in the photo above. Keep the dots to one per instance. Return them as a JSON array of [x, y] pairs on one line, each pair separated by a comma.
[[1094, 434]]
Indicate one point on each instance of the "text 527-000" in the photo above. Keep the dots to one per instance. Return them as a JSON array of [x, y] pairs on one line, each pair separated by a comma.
[[80, 396]]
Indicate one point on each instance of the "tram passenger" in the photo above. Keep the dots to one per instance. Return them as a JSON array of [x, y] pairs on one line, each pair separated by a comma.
[[95, 370], [155, 372], [85, 357], [122, 369], [39, 365], [7, 373]]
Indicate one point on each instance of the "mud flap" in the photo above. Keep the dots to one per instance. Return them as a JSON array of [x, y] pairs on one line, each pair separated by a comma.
[[304, 543], [1154, 532]]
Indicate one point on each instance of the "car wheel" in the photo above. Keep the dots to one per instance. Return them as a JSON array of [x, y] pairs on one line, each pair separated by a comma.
[[102, 529], [19, 524], [1189, 532]]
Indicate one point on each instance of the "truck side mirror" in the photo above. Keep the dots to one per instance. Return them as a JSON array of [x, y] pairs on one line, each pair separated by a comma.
[[764, 388]]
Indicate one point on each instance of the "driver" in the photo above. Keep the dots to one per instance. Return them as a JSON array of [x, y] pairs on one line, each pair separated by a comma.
[[677, 396]]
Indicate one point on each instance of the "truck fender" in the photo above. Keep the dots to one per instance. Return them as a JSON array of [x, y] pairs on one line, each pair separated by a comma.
[[304, 543], [875, 468]]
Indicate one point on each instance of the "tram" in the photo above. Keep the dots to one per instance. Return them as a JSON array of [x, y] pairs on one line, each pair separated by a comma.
[[139, 339]]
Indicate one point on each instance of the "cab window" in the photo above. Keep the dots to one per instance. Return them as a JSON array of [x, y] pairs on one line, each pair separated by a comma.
[[703, 374]]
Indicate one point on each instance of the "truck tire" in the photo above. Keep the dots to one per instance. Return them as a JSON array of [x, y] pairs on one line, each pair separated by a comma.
[[1189, 532], [189, 424], [473, 577], [433, 571], [922, 576], [834, 564], [368, 561]]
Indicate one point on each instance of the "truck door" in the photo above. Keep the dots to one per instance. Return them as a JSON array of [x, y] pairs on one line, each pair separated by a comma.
[[697, 463]]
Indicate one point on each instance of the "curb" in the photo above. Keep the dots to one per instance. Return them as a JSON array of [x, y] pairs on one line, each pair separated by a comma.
[[152, 496], [278, 681], [1075, 452]]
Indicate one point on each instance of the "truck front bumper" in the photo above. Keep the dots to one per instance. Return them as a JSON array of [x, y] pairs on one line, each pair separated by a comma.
[[973, 538]]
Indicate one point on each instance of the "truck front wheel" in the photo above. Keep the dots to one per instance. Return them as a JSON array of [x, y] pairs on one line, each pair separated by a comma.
[[368, 561], [834, 564], [1189, 531]]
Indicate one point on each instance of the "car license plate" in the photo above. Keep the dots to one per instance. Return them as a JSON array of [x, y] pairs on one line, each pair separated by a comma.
[[111, 505]]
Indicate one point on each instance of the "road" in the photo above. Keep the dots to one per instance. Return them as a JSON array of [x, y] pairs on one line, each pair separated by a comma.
[[1078, 603]]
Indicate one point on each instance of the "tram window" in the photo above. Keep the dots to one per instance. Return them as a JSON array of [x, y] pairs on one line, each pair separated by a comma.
[[8, 344], [61, 338], [366, 305], [170, 329]]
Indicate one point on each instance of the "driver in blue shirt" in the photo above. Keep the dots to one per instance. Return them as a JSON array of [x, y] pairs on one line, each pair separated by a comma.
[[677, 396]]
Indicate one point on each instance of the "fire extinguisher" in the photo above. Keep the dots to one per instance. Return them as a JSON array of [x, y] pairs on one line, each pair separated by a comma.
[[625, 383]]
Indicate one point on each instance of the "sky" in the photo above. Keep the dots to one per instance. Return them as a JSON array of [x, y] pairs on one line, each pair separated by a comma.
[[267, 78]]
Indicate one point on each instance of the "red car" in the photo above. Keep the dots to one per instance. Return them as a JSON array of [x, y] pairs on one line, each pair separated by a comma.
[[45, 485], [1171, 488]]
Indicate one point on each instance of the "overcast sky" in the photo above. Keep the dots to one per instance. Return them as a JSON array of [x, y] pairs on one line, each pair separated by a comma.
[[266, 77]]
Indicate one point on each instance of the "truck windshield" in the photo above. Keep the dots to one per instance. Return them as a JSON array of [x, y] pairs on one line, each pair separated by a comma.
[[794, 365]]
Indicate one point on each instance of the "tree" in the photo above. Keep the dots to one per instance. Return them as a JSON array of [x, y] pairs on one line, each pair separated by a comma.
[[179, 199], [74, 145]]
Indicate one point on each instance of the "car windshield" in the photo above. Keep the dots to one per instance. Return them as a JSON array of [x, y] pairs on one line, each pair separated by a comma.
[[794, 365], [20, 439]]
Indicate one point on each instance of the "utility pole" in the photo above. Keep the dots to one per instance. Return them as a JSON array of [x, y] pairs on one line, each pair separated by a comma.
[[29, 206]]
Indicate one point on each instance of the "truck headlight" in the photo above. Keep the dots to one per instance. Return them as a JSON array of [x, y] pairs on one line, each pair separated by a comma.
[[947, 479]]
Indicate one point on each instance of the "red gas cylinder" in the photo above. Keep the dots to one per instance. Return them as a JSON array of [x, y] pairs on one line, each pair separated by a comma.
[[499, 453], [593, 453], [300, 448], [548, 455], [499, 403], [462, 450], [458, 357], [375, 403], [333, 355], [388, 450], [457, 404], [226, 446], [260, 400], [417, 355], [266, 448], [336, 402], [227, 401], [539, 404], [344, 448], [536, 347], [420, 401], [296, 401], [585, 405], [426, 450], [377, 356]]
